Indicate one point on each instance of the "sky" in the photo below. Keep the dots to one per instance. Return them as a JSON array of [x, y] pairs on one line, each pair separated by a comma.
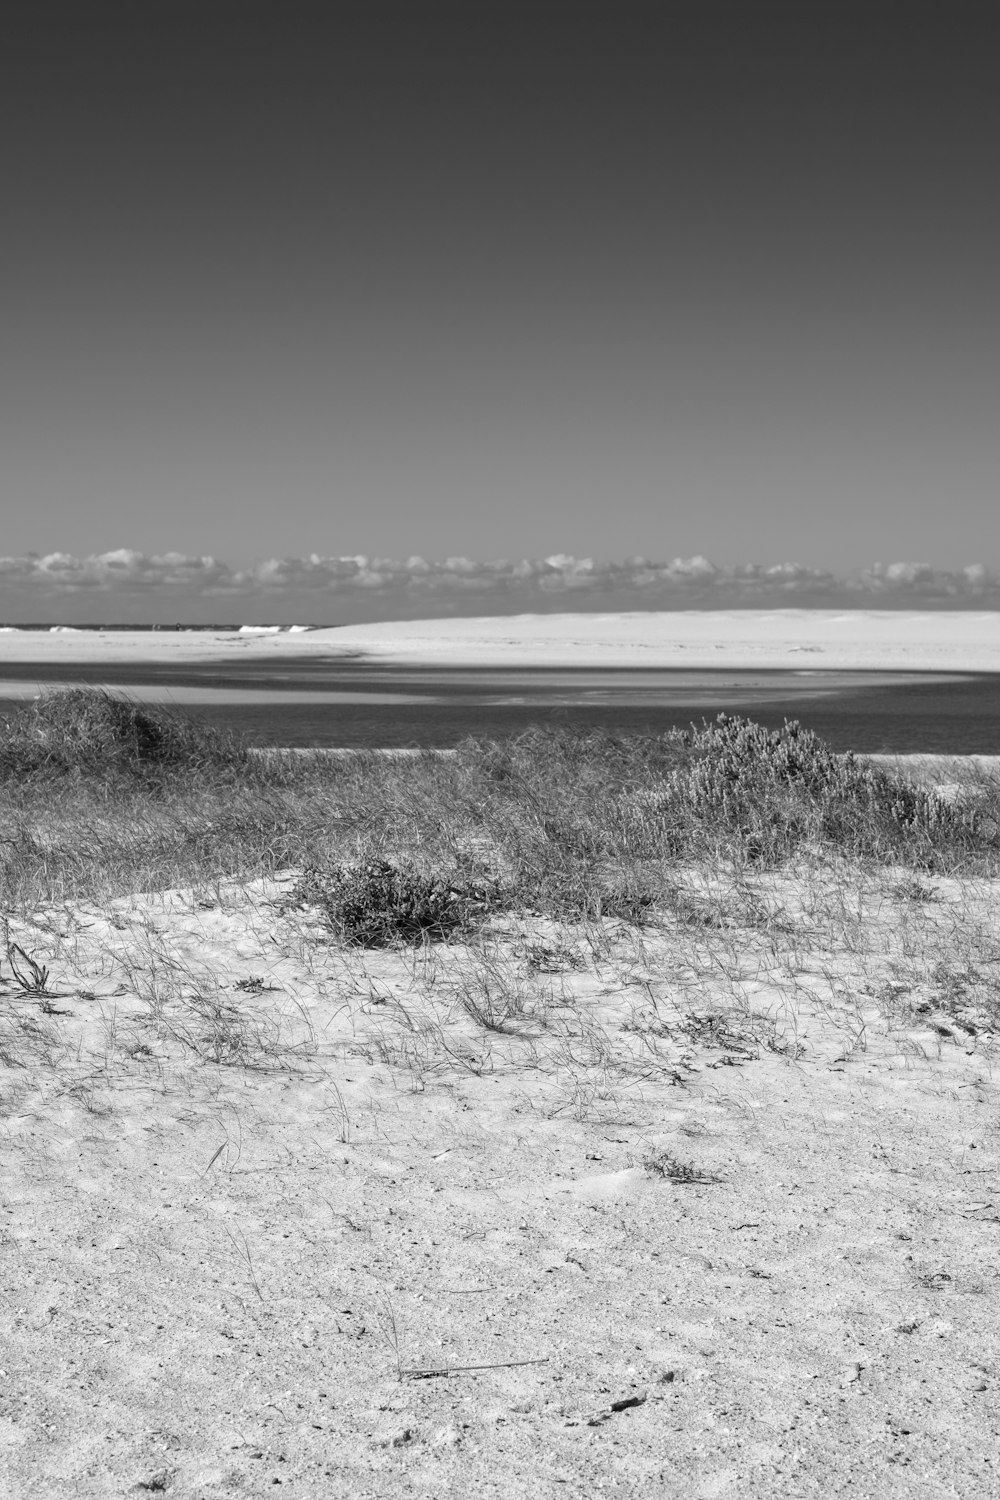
[[302, 301]]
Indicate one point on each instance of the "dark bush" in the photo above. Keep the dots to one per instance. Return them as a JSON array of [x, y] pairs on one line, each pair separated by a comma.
[[376, 904], [96, 732]]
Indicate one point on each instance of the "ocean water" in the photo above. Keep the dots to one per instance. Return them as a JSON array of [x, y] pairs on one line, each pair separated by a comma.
[[351, 703]]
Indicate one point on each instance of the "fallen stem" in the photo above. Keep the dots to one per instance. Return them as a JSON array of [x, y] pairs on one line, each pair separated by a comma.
[[433, 1370]]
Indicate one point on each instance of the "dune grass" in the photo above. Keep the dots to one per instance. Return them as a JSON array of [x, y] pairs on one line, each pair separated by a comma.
[[101, 798], [90, 732]]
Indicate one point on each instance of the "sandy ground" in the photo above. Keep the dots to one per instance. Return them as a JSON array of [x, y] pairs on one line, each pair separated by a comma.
[[772, 639], [706, 1209]]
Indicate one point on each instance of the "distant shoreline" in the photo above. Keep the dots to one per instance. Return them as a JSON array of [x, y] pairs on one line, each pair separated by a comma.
[[802, 639]]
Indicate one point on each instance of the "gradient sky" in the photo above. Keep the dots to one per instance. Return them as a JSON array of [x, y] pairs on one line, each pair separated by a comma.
[[499, 280]]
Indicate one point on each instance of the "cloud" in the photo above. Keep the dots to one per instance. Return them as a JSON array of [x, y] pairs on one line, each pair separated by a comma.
[[127, 585], [59, 573]]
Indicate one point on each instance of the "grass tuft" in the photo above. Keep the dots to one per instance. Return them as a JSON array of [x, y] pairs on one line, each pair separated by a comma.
[[661, 1162], [94, 732], [376, 904]]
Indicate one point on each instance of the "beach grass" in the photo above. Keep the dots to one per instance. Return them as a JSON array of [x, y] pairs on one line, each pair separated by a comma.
[[102, 798]]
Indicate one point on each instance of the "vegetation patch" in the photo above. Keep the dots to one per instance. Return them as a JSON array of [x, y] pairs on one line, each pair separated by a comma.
[[661, 1162], [376, 904], [94, 732], [104, 798]]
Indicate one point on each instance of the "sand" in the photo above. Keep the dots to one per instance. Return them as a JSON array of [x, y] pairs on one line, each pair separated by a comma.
[[967, 641], [705, 1210], [773, 639]]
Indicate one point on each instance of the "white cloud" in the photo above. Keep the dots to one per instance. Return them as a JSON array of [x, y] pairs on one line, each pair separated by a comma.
[[125, 584], [125, 569]]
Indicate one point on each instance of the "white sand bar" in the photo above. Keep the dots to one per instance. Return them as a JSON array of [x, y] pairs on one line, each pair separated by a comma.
[[894, 640], [802, 639]]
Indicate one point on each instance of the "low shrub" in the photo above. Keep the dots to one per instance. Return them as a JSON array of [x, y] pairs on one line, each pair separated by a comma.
[[376, 904], [94, 732], [773, 791]]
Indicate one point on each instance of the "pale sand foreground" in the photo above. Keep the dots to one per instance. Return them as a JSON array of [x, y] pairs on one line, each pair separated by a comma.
[[705, 1209], [803, 639]]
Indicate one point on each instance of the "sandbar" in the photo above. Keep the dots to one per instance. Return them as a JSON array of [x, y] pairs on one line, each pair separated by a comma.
[[787, 639]]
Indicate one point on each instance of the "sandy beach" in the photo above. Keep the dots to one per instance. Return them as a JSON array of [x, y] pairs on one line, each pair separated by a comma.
[[665, 1168], [705, 1209], [821, 640]]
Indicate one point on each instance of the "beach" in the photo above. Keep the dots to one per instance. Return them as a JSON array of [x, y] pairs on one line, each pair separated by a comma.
[[829, 640], [543, 1118]]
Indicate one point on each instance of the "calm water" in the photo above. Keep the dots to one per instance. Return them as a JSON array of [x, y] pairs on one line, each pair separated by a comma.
[[349, 703]]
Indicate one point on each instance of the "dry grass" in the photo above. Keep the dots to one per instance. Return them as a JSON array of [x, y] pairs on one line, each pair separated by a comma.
[[729, 879], [583, 828]]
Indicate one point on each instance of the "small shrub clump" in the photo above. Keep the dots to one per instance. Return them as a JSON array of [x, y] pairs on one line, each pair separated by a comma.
[[94, 732], [661, 1162], [778, 789], [376, 904]]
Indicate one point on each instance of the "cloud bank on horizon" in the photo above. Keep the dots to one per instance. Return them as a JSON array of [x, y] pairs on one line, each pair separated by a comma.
[[126, 585]]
